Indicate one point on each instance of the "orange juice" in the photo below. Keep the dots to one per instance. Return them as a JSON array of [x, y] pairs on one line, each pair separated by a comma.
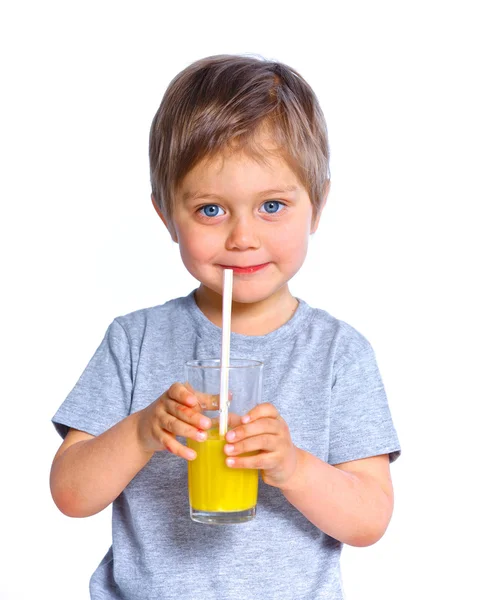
[[215, 487]]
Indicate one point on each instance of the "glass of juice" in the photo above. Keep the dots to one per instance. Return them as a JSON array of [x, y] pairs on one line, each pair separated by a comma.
[[219, 494]]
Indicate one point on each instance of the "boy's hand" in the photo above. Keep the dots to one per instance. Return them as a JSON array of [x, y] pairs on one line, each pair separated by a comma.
[[263, 431], [176, 412]]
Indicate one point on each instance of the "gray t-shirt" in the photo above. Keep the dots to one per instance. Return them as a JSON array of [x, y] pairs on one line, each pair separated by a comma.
[[322, 376]]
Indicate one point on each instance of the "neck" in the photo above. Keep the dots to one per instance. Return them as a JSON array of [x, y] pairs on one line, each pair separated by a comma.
[[257, 318]]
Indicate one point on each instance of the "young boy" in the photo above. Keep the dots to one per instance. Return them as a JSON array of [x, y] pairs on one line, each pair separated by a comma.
[[239, 171]]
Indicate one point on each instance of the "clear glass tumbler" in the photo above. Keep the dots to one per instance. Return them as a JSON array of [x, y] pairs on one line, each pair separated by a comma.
[[219, 494]]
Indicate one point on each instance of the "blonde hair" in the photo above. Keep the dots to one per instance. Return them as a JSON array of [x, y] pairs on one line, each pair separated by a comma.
[[222, 103]]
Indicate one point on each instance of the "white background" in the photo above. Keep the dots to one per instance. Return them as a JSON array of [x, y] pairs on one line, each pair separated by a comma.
[[394, 254]]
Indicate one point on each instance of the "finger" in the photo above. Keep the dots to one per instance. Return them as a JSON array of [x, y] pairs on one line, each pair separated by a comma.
[[261, 410], [174, 447], [233, 420], [265, 442], [187, 414], [258, 427], [171, 424], [262, 461], [184, 394]]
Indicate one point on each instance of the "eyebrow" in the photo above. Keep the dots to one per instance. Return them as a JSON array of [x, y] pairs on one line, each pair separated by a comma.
[[190, 196]]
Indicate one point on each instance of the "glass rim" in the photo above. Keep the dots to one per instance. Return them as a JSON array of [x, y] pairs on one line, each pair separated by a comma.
[[235, 363]]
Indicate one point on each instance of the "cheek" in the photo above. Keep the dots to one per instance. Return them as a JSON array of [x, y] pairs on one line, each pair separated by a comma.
[[195, 247], [291, 243]]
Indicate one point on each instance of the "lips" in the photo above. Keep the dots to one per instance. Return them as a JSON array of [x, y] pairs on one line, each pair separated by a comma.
[[245, 270]]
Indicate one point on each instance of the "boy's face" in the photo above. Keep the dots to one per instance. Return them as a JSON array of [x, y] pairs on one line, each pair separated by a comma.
[[233, 212]]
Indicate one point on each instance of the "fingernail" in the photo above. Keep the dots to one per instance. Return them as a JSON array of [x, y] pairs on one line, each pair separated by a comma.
[[230, 436], [190, 455], [204, 423], [245, 419], [201, 436], [228, 448], [230, 462]]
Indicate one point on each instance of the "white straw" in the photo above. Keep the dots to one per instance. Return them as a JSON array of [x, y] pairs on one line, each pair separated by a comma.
[[225, 360]]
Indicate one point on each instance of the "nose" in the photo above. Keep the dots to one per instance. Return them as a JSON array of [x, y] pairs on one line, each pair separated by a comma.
[[242, 235]]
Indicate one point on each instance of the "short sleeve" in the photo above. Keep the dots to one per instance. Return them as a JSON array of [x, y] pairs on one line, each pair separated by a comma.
[[102, 395], [361, 425]]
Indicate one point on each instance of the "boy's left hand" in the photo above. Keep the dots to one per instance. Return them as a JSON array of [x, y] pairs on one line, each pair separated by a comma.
[[265, 432]]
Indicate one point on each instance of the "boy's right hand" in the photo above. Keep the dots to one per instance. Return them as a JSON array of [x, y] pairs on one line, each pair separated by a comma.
[[176, 412]]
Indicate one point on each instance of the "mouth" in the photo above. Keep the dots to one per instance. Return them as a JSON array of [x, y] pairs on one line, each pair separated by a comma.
[[245, 270]]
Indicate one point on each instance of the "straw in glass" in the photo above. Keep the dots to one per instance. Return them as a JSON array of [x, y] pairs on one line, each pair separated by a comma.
[[225, 359]]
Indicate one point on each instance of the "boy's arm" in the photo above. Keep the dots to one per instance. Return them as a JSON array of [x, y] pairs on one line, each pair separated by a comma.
[[89, 472], [352, 502]]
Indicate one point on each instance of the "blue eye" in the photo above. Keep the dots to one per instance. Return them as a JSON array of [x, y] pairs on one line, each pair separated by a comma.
[[273, 206], [211, 210]]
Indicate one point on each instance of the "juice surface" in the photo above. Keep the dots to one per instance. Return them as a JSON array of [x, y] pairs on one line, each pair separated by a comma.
[[215, 487]]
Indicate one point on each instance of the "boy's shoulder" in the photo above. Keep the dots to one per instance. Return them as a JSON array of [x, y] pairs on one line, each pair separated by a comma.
[[165, 313], [326, 321], [346, 339]]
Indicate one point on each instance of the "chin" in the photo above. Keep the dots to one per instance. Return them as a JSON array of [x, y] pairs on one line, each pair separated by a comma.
[[251, 296], [245, 289]]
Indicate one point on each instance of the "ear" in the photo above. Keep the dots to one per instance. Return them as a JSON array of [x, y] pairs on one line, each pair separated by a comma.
[[317, 215], [169, 227]]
